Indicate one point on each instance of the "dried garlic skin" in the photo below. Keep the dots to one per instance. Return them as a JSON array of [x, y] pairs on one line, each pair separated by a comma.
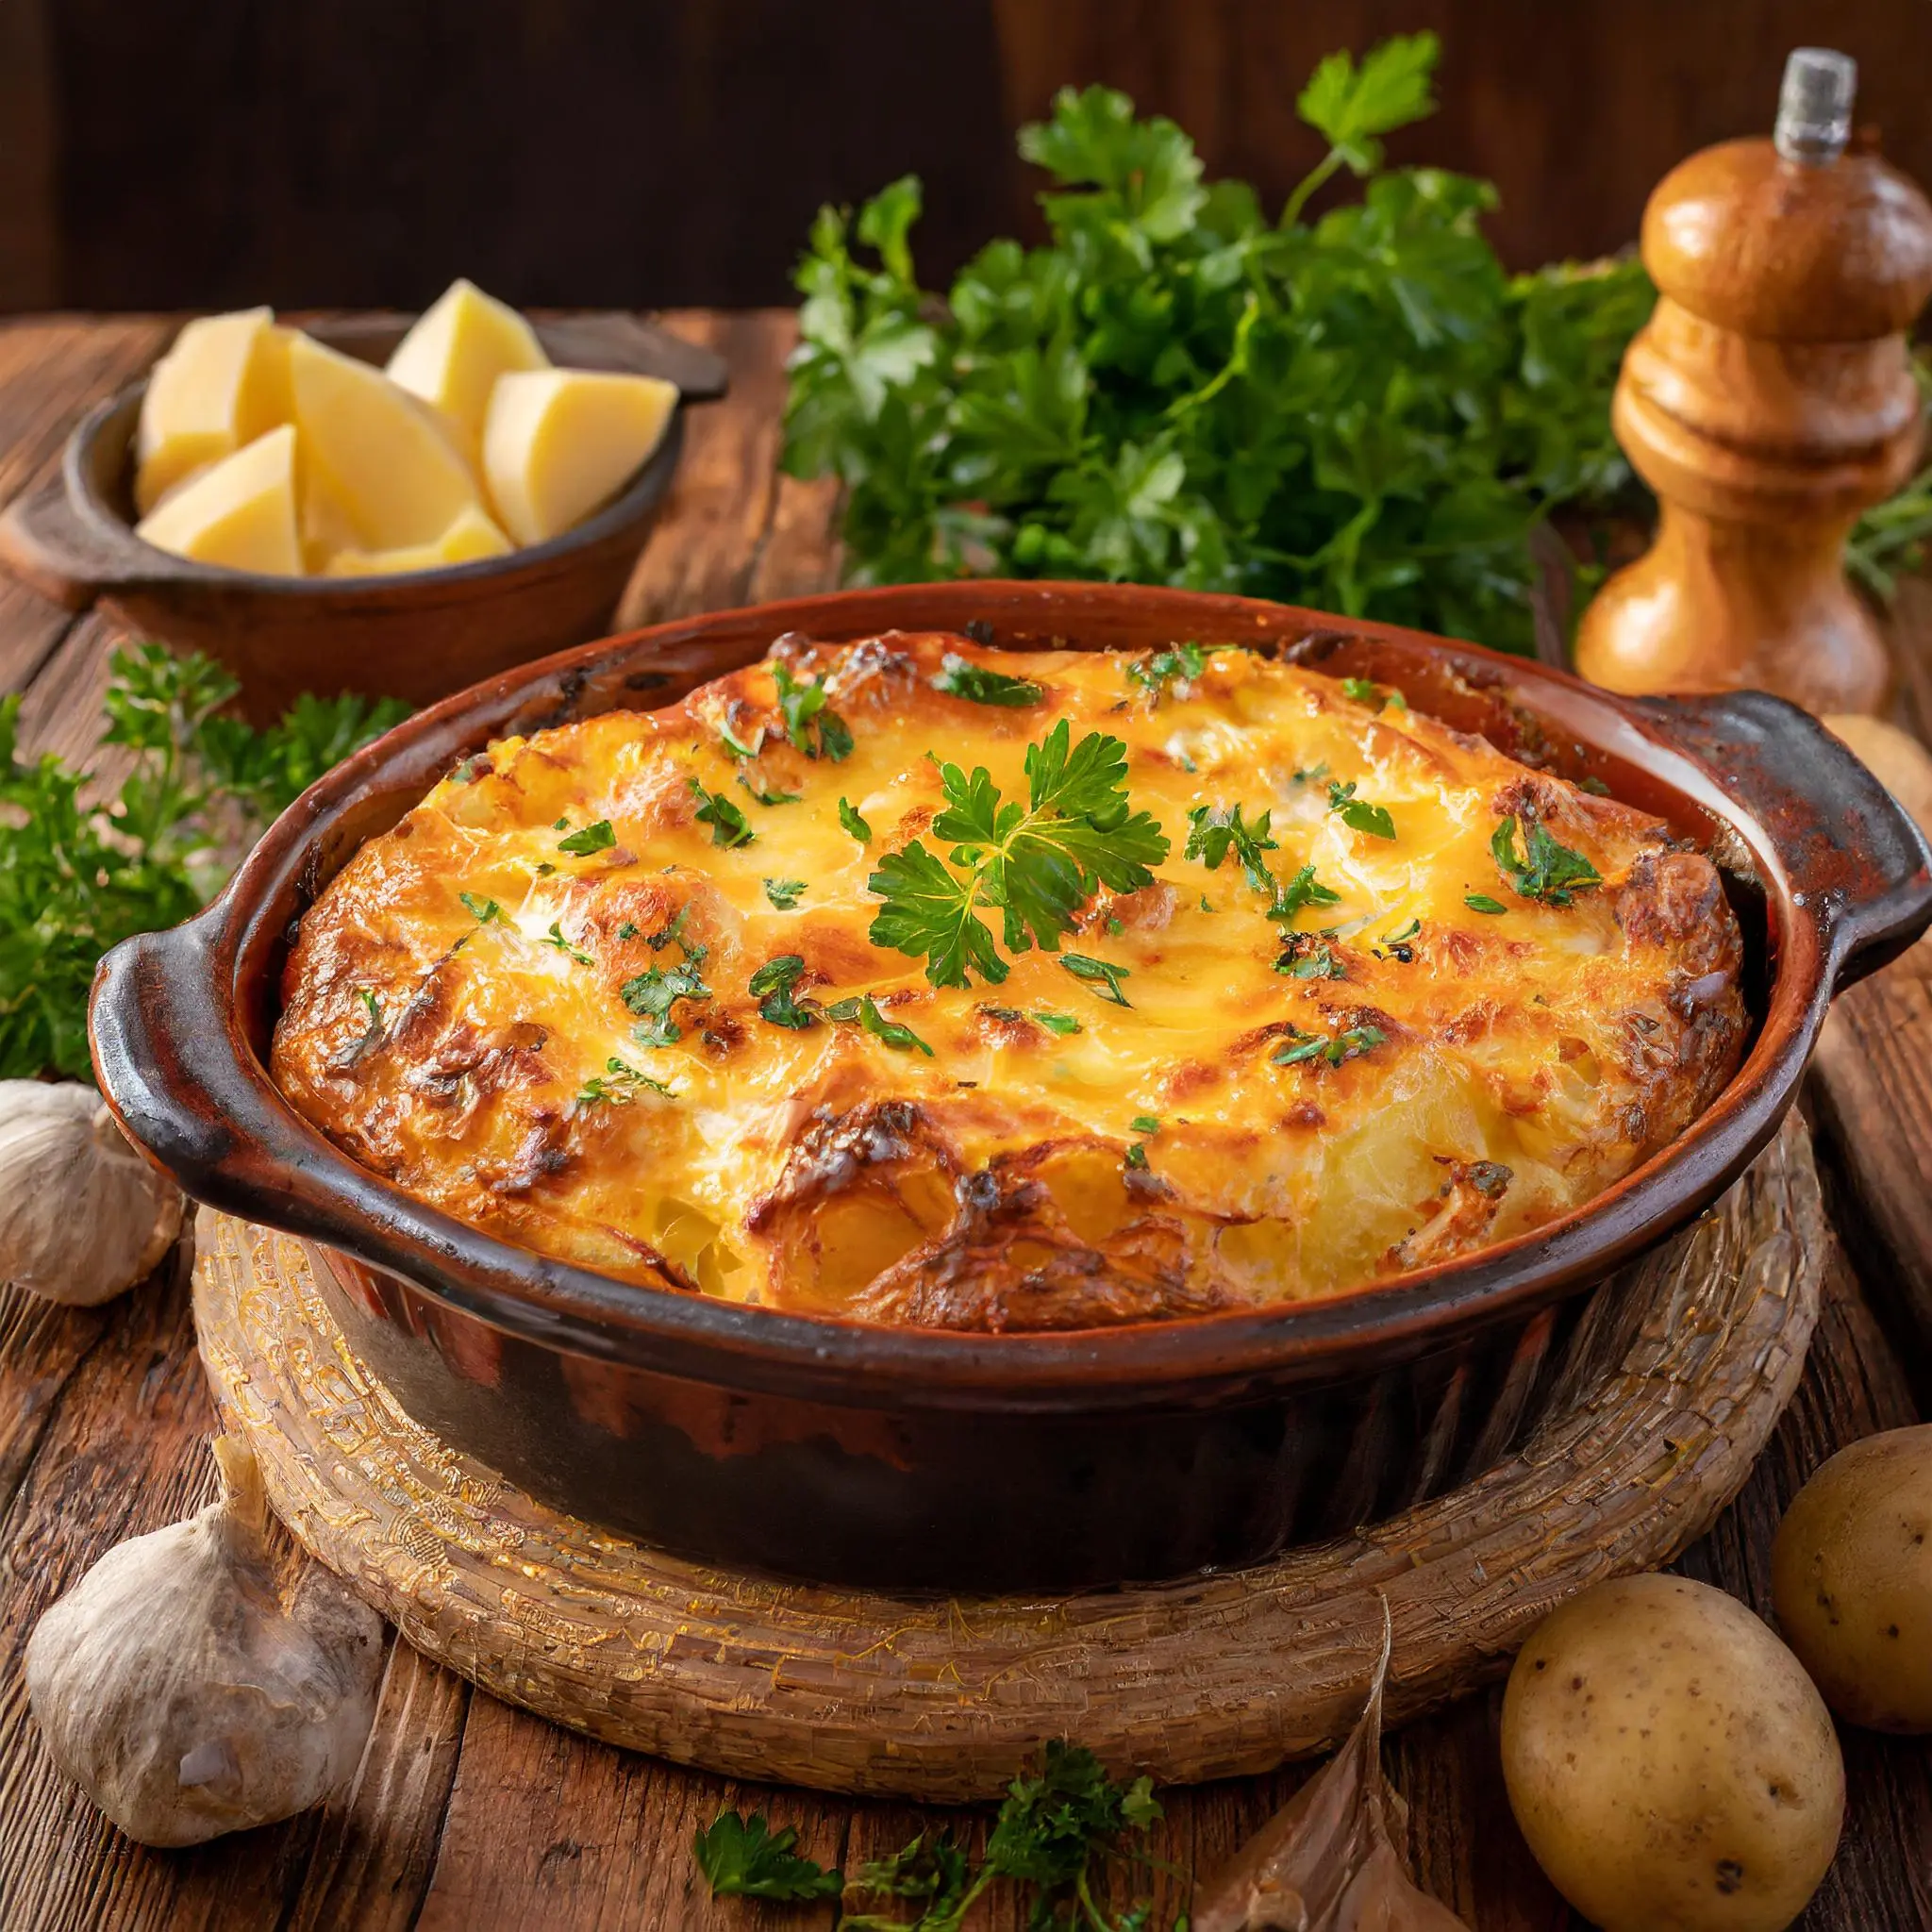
[[82, 1215], [173, 1687]]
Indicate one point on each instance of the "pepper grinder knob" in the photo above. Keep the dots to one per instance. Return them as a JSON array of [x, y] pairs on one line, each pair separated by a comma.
[[1769, 401]]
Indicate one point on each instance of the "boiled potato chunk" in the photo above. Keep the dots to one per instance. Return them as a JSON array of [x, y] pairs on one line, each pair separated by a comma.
[[240, 512], [1850, 1577], [455, 352], [378, 452], [223, 384], [559, 443], [1671, 1766], [472, 536]]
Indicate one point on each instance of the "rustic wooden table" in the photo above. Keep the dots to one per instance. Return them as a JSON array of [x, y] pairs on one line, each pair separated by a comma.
[[467, 1814]]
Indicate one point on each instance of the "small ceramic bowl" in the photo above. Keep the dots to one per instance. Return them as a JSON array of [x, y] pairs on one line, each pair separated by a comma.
[[419, 635]]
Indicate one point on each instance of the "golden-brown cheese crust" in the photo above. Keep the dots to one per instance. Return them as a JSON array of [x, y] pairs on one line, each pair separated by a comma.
[[485, 1059]]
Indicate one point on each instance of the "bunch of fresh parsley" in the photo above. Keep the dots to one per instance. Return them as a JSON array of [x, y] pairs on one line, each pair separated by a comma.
[[77, 876], [1363, 412], [1057, 1825]]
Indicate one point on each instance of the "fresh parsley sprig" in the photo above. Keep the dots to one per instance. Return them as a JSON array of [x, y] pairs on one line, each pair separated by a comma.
[[1545, 870], [816, 729], [1347, 1045], [978, 685], [654, 992], [1038, 863], [1215, 830], [743, 1857], [1357, 813], [730, 826]]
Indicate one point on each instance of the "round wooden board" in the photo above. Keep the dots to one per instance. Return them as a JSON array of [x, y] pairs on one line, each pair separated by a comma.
[[1651, 1430]]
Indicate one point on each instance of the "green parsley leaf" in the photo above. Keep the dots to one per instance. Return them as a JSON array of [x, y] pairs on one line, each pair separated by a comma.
[[617, 1086], [737, 746], [1481, 902], [1301, 891], [1344, 1046], [1311, 775], [816, 730], [1102, 971], [1039, 863], [746, 1858], [784, 893], [1157, 675], [1061, 1024], [653, 993], [1357, 814], [960, 678], [893, 1034], [1550, 871], [1305, 955], [1135, 1156], [730, 826], [772, 987], [482, 911], [1404, 935], [849, 818], [672, 933], [765, 797], [555, 937], [1214, 830], [597, 837], [1146, 1123], [1352, 105]]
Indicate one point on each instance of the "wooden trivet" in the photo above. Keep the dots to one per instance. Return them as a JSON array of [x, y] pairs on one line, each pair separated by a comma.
[[1650, 1430]]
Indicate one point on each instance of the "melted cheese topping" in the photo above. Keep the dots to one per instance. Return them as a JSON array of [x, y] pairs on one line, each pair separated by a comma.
[[462, 1009]]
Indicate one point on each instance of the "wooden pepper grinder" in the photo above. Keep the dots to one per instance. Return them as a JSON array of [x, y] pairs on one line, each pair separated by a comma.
[[1769, 401]]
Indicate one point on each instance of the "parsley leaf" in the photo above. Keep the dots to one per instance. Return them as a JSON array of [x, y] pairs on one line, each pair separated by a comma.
[[1352, 105], [617, 1085], [1550, 871], [1481, 902], [597, 837], [1039, 863], [772, 987], [1344, 1046], [1146, 1123], [1357, 814], [1102, 971], [555, 937], [1304, 890], [672, 933], [1178, 663], [482, 911], [653, 993], [784, 893], [817, 731], [1305, 955], [1061, 1024], [730, 826], [849, 818], [765, 797], [890, 1031], [746, 1858], [977, 685], [737, 746], [1216, 829]]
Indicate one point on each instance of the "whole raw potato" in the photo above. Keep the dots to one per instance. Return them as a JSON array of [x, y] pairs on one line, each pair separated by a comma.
[[1671, 1765], [1851, 1577]]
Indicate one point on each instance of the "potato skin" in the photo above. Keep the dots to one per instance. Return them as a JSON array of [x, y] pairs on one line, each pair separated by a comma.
[[1671, 1767], [1851, 1578]]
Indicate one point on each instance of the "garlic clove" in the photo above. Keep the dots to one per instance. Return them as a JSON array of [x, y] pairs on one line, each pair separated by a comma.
[[82, 1215], [173, 1687]]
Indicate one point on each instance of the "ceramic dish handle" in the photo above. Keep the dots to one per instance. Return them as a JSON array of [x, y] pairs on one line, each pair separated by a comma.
[[1858, 864], [46, 543]]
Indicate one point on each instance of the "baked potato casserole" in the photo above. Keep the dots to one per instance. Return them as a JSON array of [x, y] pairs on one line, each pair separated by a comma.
[[917, 982]]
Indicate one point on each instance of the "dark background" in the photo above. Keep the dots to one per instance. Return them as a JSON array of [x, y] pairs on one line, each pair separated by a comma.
[[213, 153]]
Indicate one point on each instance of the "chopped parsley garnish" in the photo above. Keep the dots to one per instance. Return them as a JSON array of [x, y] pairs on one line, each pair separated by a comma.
[[653, 993], [672, 934], [1305, 955], [1481, 902], [1365, 691], [481, 910], [1357, 814], [816, 730], [1215, 830], [1311, 775], [1206, 906], [597, 837], [476, 766], [771, 985], [737, 746], [1061, 1024], [555, 937], [1344, 1046], [1178, 663], [784, 893], [849, 818], [1039, 862], [889, 1031], [746, 1858], [1136, 1156], [372, 1006], [1146, 1123], [1301, 891], [1594, 786], [1404, 934], [628, 930], [1101, 973], [730, 826], [1549, 872], [764, 797], [979, 685], [617, 1086]]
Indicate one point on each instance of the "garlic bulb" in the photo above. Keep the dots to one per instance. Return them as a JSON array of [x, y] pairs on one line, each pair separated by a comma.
[[82, 1215], [172, 1686]]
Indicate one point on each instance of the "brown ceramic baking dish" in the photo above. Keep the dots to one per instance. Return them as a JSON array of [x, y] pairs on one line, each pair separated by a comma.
[[922, 1459]]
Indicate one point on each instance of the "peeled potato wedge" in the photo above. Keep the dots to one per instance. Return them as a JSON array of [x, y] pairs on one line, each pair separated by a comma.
[[223, 384], [471, 538], [559, 443], [455, 352], [239, 512]]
